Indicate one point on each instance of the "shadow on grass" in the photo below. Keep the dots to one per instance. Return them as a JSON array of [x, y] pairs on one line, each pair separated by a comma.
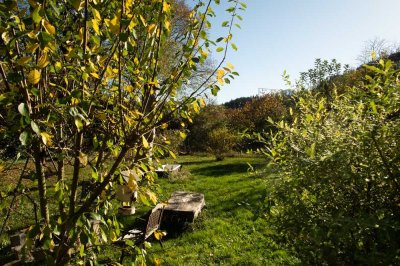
[[224, 169], [198, 162], [251, 199]]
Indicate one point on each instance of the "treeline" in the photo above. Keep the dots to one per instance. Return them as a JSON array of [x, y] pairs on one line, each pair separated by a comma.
[[221, 129]]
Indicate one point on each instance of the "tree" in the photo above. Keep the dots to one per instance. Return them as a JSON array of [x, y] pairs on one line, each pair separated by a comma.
[[376, 48], [220, 141], [207, 120], [86, 73]]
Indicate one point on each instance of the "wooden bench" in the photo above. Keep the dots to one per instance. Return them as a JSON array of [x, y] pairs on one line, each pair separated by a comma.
[[182, 208]]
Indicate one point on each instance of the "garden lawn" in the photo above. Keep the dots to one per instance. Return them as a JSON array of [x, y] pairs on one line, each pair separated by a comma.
[[231, 229]]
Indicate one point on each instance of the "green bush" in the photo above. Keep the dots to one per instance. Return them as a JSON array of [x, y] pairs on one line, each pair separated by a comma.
[[336, 198], [220, 141]]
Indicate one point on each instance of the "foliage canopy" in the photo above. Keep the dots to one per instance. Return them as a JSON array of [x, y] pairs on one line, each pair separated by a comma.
[[88, 82]]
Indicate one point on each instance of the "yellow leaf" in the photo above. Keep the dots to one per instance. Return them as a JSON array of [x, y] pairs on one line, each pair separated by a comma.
[[113, 24], [157, 262], [83, 159], [58, 66], [143, 20], [48, 27], [128, 88], [34, 77], [202, 102], [230, 66], [74, 101], [203, 53], [95, 26], [152, 28], [166, 7], [95, 75], [172, 154], [32, 47], [128, 4], [24, 60], [164, 126], [152, 197], [46, 138], [145, 143], [158, 234], [182, 135], [132, 184], [167, 25], [43, 62], [81, 32], [96, 14], [220, 75], [32, 34]]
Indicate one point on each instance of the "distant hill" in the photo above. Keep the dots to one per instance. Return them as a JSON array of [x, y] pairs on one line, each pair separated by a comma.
[[238, 102]]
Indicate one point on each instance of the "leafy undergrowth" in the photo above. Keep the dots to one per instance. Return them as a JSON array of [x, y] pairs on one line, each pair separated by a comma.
[[230, 230]]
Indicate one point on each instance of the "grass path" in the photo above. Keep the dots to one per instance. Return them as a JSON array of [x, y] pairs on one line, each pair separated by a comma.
[[229, 230]]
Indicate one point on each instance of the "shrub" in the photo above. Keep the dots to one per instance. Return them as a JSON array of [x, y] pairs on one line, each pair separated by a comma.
[[336, 200], [220, 141]]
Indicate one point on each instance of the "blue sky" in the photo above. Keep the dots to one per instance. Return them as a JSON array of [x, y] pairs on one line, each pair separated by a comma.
[[280, 35]]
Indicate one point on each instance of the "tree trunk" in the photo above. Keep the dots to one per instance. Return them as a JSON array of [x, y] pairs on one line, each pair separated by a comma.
[[39, 160]]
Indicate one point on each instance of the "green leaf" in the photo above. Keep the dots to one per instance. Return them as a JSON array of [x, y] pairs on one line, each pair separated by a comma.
[[23, 109], [24, 138], [77, 4], [214, 90], [78, 123], [44, 38], [219, 49], [234, 46], [35, 15], [144, 199], [373, 107], [35, 127], [82, 251], [375, 69]]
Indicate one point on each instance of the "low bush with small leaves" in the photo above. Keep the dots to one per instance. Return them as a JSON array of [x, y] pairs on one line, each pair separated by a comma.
[[336, 199]]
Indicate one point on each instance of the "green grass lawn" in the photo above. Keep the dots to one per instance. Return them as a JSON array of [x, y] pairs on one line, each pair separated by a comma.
[[230, 230]]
